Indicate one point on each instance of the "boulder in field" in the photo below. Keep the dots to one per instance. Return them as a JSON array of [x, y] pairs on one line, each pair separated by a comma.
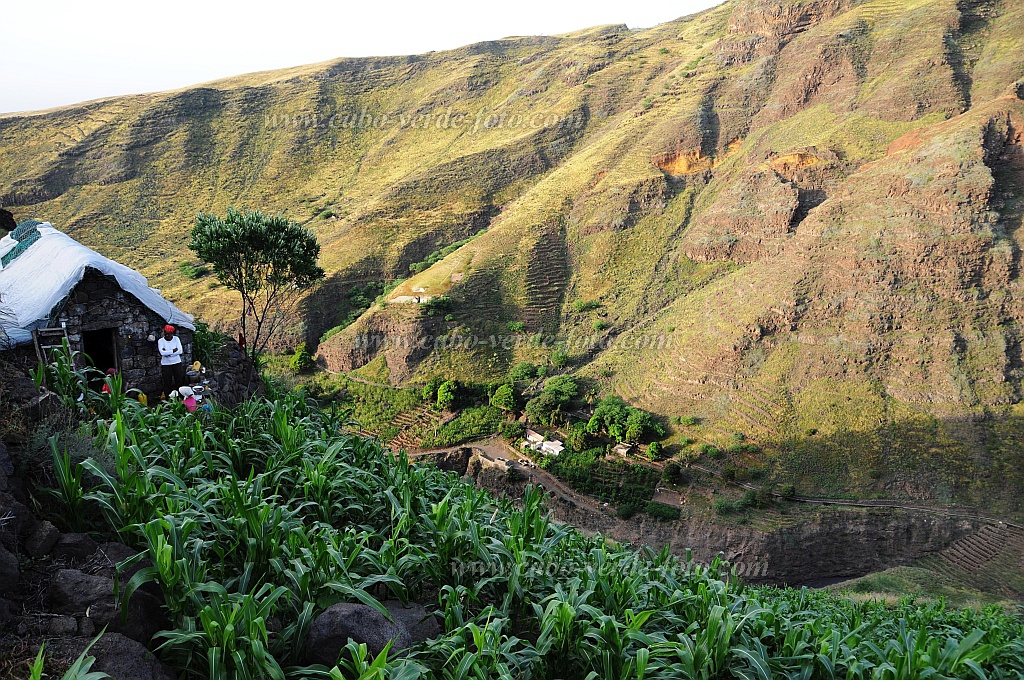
[[331, 630], [42, 540], [72, 592]]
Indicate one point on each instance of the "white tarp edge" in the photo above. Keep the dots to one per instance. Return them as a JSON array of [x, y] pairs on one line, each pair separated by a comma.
[[34, 282]]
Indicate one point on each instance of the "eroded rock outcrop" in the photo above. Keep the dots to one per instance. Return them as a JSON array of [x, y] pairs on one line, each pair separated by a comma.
[[750, 221]]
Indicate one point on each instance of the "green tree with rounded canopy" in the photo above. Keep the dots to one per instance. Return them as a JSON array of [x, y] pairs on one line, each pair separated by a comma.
[[524, 370], [504, 398], [430, 389], [543, 407], [653, 451], [562, 387], [576, 437], [268, 259], [446, 394]]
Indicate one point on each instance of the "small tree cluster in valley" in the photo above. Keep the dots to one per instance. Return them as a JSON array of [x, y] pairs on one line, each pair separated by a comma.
[[622, 422], [523, 371], [558, 392], [505, 398], [653, 451], [446, 393]]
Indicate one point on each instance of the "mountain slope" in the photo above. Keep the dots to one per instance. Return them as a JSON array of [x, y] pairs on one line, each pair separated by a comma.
[[798, 220]]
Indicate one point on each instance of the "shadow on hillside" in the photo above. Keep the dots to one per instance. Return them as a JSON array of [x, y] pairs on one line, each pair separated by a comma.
[[977, 461]]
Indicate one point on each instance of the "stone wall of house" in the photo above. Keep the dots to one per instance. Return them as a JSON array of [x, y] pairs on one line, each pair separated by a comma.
[[234, 378], [97, 302]]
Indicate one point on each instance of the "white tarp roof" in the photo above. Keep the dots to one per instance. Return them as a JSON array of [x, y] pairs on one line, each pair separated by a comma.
[[38, 279]]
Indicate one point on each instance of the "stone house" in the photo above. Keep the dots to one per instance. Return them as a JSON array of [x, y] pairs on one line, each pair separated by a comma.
[[112, 328], [53, 287]]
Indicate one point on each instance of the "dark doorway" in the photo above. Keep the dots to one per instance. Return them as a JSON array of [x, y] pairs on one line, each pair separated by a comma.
[[101, 348]]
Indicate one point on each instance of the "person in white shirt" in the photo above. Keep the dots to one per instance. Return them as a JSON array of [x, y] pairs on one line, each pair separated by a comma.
[[172, 367]]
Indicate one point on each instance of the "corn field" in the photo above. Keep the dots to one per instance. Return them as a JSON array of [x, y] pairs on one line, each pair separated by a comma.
[[257, 519]]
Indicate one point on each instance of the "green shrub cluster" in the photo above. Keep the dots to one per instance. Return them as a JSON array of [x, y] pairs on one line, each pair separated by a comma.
[[558, 392], [302, 361], [522, 371], [662, 511], [712, 452], [359, 299], [622, 422], [611, 480], [585, 306], [193, 271]]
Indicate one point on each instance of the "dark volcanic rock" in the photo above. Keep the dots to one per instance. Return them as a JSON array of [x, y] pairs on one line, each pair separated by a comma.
[[75, 546], [22, 522], [455, 461], [7, 222], [42, 540], [62, 625], [331, 630], [78, 594], [6, 464], [8, 571], [118, 656], [421, 624]]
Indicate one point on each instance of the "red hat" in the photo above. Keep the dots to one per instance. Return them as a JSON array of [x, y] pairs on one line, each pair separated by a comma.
[[168, 328]]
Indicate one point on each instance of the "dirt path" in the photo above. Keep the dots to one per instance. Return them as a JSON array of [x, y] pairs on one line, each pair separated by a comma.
[[496, 448]]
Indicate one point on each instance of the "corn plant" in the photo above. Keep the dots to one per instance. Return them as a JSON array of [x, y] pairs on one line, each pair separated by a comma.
[[69, 486], [81, 669]]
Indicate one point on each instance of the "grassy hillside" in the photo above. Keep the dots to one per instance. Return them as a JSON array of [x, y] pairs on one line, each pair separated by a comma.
[[798, 221]]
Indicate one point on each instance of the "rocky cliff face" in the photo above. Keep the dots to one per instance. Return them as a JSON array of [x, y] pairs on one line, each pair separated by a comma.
[[796, 220]]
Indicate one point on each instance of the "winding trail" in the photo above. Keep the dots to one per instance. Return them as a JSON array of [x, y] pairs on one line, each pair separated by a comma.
[[495, 448]]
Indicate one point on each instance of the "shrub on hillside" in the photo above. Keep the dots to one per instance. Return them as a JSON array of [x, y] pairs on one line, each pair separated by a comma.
[[446, 393], [662, 511], [620, 421], [513, 430], [654, 451], [302, 361], [473, 422], [627, 510], [522, 371], [585, 306], [712, 452], [430, 389], [671, 473], [504, 397], [193, 271]]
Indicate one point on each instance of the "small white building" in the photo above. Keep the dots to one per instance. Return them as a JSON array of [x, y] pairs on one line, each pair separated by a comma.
[[534, 437], [552, 448]]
